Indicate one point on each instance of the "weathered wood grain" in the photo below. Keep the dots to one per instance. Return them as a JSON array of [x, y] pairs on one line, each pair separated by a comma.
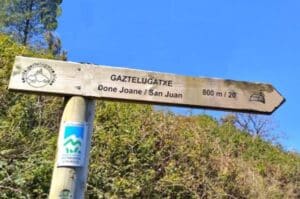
[[97, 81]]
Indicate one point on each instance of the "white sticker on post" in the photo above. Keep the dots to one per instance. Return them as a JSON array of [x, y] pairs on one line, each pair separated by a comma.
[[72, 143]]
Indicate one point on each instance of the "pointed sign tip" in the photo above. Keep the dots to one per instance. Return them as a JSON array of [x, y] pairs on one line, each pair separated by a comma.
[[283, 100]]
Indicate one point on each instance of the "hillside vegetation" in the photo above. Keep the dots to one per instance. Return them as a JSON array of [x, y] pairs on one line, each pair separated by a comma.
[[137, 152]]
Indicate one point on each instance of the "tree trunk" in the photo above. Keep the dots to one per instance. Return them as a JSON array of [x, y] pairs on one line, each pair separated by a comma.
[[27, 23]]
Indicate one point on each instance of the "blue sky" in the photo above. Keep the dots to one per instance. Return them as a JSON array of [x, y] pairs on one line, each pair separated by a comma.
[[243, 40]]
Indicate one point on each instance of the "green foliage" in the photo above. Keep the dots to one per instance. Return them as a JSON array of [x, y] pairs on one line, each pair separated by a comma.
[[159, 155], [28, 129], [137, 152], [28, 20]]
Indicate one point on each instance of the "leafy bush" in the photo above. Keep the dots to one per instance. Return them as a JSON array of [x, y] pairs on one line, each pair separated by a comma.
[[28, 129]]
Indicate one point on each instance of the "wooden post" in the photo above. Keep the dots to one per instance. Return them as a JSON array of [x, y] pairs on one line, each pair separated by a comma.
[[69, 181]]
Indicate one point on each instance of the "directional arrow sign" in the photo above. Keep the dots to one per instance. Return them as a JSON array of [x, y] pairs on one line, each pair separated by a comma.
[[97, 81]]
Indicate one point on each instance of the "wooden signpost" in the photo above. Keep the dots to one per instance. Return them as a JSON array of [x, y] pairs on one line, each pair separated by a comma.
[[74, 79], [89, 82]]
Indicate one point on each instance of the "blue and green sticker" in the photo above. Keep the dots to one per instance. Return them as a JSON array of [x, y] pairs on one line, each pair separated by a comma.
[[72, 144]]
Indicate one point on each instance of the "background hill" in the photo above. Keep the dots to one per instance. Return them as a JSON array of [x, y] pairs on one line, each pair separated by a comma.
[[137, 152]]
